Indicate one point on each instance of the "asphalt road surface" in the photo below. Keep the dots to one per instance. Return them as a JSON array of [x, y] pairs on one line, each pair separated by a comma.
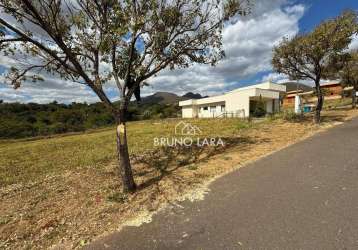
[[302, 197]]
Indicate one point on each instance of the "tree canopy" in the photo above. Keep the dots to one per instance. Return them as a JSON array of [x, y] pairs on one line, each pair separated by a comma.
[[349, 71], [94, 43], [307, 56], [345, 67]]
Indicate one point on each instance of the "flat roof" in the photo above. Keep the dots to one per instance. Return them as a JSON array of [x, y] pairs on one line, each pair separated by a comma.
[[220, 98], [329, 84]]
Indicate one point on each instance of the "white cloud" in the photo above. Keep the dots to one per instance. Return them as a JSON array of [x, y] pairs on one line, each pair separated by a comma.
[[248, 46], [47, 91], [275, 77], [354, 44]]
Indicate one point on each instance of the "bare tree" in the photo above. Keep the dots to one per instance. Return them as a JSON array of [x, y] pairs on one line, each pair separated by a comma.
[[308, 56], [94, 42]]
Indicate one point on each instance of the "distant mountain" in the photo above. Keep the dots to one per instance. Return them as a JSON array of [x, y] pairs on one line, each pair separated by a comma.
[[168, 98], [191, 95], [293, 86], [161, 98]]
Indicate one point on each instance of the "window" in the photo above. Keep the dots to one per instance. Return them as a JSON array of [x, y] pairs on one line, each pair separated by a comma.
[[222, 108], [212, 109], [205, 108]]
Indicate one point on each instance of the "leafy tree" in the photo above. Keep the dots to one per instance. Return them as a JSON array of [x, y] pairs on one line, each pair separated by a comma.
[[345, 67], [308, 56], [95, 42], [349, 74]]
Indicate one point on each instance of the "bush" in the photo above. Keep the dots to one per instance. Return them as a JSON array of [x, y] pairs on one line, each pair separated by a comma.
[[259, 109], [16, 129], [58, 128], [27, 120], [291, 116]]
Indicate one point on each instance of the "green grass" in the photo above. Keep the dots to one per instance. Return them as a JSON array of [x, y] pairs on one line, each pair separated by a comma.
[[335, 103], [32, 159], [286, 115]]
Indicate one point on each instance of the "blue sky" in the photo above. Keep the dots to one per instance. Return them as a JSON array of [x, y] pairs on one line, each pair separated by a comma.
[[248, 45], [315, 12], [319, 10]]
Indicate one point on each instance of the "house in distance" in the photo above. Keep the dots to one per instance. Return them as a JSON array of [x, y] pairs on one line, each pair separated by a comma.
[[240, 102]]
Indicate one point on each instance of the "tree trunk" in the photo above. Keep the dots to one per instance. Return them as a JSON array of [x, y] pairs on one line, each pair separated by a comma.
[[317, 116], [123, 157], [354, 98]]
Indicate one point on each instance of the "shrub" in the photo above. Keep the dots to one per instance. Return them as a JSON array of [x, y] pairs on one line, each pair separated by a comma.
[[291, 116], [259, 111]]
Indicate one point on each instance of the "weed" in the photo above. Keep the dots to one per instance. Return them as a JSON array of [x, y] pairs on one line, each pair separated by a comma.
[[117, 197], [227, 158], [287, 115], [243, 125], [4, 221], [192, 167]]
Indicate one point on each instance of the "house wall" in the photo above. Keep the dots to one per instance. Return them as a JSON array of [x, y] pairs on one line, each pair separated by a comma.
[[267, 93], [237, 102], [189, 112], [272, 106], [263, 86], [213, 110], [288, 101], [269, 106], [332, 90]]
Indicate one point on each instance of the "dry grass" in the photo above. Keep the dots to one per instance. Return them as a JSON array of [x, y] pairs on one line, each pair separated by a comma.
[[65, 191], [33, 159]]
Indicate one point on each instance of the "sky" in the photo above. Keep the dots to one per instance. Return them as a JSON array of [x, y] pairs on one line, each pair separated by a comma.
[[248, 47]]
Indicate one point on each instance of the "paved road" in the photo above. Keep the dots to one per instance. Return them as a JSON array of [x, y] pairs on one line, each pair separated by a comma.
[[303, 197]]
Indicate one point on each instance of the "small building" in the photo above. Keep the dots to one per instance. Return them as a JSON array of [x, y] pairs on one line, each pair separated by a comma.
[[240, 102], [292, 89], [332, 90]]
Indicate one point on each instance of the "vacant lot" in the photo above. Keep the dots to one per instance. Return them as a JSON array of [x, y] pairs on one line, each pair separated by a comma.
[[65, 190], [29, 160]]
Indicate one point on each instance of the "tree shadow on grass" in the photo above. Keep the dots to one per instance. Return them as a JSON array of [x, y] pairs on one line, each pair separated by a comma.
[[165, 161]]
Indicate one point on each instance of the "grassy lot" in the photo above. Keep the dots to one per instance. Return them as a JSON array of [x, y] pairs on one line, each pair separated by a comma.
[[336, 103], [65, 190], [31, 159], [330, 104]]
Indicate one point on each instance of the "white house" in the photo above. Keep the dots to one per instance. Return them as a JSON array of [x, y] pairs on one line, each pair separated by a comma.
[[236, 103]]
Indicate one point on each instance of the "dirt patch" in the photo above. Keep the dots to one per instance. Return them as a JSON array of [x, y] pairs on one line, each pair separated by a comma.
[[69, 210]]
